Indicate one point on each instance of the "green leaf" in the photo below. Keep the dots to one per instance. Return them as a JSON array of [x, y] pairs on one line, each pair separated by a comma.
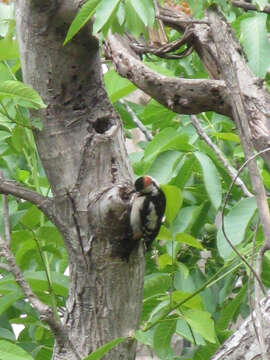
[[100, 352], [184, 330], [9, 49], [104, 11], [227, 136], [85, 13], [153, 112], [194, 303], [167, 139], [133, 22], [32, 217], [202, 323], [164, 166], [9, 351], [50, 234], [230, 309], [7, 334], [205, 352], [211, 179], [174, 201], [256, 43], [188, 239], [18, 138], [117, 86], [7, 300], [37, 123], [184, 173], [190, 219], [38, 282], [144, 337], [164, 234], [164, 260], [156, 283], [145, 10], [162, 338], [236, 223], [21, 94]]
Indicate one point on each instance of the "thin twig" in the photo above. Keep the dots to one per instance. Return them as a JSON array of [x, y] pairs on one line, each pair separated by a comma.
[[246, 6], [43, 309], [223, 210], [4, 267], [230, 169], [46, 314], [44, 203], [182, 21], [6, 219], [229, 71], [250, 278], [137, 121], [258, 310]]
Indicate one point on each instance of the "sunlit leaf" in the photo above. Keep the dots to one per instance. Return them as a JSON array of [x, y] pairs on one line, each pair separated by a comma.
[[145, 10], [9, 351], [210, 178], [100, 352], [202, 323], [256, 43], [174, 201], [104, 11], [236, 223], [117, 86], [162, 337], [85, 13], [189, 240], [21, 94]]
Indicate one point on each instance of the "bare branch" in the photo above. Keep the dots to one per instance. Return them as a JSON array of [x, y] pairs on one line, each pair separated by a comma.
[[188, 96], [44, 203], [232, 172], [137, 121], [46, 313], [4, 267], [246, 6], [240, 116], [44, 310], [6, 219]]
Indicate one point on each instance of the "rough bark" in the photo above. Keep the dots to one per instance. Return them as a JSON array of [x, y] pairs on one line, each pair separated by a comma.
[[243, 344], [255, 102], [82, 150], [189, 96]]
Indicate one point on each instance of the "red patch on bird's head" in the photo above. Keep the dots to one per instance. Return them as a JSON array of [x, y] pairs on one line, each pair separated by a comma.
[[147, 181]]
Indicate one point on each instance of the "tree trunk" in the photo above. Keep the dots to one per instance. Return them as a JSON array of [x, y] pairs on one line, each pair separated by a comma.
[[82, 149]]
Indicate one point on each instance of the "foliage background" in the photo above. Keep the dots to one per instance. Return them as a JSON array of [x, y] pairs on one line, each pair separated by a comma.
[[195, 286]]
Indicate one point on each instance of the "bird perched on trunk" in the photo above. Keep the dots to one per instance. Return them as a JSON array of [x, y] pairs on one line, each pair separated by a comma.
[[147, 210]]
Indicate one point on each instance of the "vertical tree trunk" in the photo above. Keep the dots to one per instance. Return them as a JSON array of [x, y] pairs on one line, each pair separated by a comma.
[[82, 150]]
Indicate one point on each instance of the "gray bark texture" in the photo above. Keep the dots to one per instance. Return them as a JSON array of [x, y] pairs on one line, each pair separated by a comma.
[[192, 96], [83, 153]]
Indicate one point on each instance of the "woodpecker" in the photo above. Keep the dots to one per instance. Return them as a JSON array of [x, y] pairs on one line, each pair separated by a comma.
[[147, 210]]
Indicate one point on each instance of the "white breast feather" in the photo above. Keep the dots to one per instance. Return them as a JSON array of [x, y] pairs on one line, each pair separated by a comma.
[[135, 220]]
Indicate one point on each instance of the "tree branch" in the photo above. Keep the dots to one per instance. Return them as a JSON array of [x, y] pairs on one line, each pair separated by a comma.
[[6, 219], [231, 171], [44, 310], [188, 96], [44, 203], [240, 116], [246, 6], [235, 347], [137, 121], [229, 71]]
